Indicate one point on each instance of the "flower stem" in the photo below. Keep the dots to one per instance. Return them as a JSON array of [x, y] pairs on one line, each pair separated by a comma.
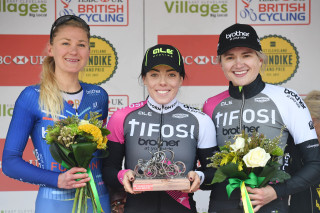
[[80, 200], [76, 199]]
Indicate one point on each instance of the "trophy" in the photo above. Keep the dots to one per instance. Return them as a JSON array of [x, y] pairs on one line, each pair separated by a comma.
[[160, 173]]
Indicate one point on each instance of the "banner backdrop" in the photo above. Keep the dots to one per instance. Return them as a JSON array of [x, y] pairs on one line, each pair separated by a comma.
[[121, 32]]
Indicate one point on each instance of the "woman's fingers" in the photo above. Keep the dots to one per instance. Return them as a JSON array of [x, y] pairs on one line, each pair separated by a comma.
[[76, 177], [128, 178]]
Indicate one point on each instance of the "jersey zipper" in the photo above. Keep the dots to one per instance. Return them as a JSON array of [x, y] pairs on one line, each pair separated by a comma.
[[160, 136], [241, 110]]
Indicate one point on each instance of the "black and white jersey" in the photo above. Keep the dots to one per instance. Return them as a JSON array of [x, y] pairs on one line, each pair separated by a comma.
[[142, 127]]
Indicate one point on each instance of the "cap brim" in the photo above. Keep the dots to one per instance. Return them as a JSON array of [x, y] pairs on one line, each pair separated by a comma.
[[229, 47]]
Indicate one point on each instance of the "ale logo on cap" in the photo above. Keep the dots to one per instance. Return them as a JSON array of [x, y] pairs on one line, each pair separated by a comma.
[[283, 59], [102, 62]]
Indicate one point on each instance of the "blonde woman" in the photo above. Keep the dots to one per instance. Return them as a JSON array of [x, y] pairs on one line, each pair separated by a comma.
[[59, 95], [250, 105]]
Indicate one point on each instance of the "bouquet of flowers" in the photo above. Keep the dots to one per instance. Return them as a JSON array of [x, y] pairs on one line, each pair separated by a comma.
[[251, 161], [73, 143]]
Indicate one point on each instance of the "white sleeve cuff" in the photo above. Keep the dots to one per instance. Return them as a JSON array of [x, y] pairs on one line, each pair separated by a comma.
[[201, 175]]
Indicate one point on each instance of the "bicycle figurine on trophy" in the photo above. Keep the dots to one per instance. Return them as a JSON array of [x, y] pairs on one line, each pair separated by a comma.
[[160, 173]]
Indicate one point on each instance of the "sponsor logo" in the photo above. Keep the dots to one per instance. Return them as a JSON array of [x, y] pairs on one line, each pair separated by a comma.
[[311, 126], [262, 99], [144, 113], [167, 130], [204, 8], [159, 51], [21, 59], [312, 146], [180, 115], [236, 130], [149, 142], [199, 60], [193, 109], [290, 12], [117, 102], [154, 106], [286, 159], [31, 8], [102, 62], [249, 116], [226, 103], [283, 59], [237, 35], [96, 12], [6, 110], [93, 92], [295, 97], [171, 106], [136, 105]]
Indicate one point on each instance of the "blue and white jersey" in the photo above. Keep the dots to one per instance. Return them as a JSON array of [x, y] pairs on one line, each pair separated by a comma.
[[29, 120]]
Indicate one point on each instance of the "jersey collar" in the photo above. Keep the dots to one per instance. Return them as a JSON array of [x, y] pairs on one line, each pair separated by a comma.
[[162, 108], [249, 90]]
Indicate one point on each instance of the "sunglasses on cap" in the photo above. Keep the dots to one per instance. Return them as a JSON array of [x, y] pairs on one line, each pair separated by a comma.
[[64, 19]]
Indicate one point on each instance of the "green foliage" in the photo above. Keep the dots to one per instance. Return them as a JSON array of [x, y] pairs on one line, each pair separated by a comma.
[[229, 161]]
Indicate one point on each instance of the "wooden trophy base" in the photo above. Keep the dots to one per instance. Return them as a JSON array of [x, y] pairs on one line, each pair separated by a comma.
[[180, 184]]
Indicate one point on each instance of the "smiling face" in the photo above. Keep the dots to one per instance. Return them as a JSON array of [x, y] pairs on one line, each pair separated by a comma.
[[241, 65], [70, 50], [162, 83]]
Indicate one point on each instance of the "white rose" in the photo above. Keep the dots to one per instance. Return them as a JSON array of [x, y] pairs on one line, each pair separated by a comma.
[[238, 144], [82, 122], [256, 157]]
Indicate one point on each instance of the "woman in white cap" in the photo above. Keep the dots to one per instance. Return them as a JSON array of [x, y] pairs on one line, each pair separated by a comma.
[[160, 122], [254, 105]]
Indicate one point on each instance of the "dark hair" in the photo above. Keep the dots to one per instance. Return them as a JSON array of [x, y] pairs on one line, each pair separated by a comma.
[[69, 20]]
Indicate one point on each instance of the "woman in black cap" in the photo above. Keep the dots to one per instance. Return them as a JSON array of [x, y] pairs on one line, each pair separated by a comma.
[[159, 123], [254, 105]]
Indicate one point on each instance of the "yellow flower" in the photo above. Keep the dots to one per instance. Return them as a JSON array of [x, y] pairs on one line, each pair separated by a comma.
[[103, 145], [94, 131]]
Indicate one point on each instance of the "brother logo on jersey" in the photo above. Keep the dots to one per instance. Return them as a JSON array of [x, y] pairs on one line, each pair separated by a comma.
[[249, 116], [167, 130], [295, 97], [236, 130], [148, 142]]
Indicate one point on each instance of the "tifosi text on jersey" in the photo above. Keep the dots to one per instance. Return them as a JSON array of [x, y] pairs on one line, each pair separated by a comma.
[[167, 130], [248, 116]]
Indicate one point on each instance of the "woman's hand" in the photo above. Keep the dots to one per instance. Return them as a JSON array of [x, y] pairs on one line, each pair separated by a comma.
[[261, 196], [68, 179], [128, 178], [194, 178]]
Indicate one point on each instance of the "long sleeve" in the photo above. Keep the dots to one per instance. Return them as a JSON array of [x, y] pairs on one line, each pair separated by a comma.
[[21, 125]]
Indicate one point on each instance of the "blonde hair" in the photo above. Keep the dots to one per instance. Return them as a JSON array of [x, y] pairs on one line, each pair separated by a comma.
[[312, 101], [50, 99]]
